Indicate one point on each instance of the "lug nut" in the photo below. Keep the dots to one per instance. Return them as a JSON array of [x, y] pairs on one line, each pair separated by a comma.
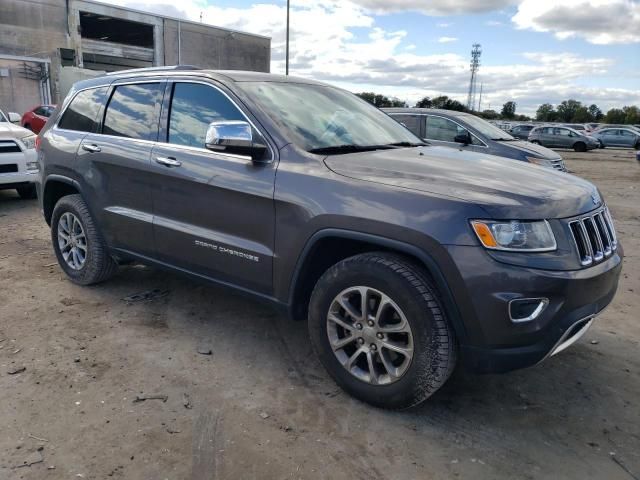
[[370, 322], [373, 347], [359, 326], [361, 340], [380, 336]]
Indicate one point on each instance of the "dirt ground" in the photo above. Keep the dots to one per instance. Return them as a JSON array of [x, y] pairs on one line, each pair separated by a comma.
[[261, 406]]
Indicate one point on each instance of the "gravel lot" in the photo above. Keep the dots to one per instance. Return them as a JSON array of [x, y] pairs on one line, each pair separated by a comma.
[[261, 406]]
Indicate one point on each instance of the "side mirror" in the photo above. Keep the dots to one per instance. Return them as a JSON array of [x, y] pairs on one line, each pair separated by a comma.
[[234, 137], [14, 117], [464, 138]]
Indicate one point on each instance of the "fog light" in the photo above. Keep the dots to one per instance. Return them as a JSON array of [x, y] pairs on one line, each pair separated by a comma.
[[526, 309], [32, 165]]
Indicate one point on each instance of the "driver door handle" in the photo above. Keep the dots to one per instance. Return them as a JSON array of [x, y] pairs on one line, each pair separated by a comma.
[[91, 147], [168, 161]]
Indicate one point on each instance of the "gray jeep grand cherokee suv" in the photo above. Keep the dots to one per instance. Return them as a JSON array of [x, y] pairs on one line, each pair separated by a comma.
[[406, 259]]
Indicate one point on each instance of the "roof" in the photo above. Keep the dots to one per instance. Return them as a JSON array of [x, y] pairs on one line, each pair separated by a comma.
[[440, 111]]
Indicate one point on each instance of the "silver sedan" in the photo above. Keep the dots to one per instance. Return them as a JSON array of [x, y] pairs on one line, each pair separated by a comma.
[[617, 137]]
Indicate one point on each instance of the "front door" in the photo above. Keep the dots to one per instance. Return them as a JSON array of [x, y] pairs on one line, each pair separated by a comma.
[[442, 131], [213, 212]]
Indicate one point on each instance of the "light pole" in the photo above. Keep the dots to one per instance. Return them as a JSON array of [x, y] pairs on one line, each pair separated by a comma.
[[287, 43]]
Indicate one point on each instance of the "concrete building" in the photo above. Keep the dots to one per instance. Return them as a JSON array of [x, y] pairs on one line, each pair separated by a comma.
[[46, 45]]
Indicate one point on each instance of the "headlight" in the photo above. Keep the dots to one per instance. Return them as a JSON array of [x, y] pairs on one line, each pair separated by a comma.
[[515, 236], [543, 162], [29, 141]]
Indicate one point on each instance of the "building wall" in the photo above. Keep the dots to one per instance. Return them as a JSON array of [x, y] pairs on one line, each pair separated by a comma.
[[39, 28]]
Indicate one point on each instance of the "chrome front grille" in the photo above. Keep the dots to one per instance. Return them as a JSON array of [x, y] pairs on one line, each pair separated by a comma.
[[594, 237], [558, 164]]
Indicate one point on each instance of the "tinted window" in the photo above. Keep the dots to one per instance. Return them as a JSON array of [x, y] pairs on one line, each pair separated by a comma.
[[444, 130], [412, 122], [193, 107], [81, 113], [132, 111]]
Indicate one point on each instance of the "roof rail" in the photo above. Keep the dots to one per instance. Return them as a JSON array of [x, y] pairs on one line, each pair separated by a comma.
[[156, 69]]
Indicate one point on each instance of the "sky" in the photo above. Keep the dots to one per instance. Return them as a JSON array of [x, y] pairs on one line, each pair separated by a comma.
[[533, 51]]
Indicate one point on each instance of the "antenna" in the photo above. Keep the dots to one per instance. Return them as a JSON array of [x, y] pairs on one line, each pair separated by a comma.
[[475, 65]]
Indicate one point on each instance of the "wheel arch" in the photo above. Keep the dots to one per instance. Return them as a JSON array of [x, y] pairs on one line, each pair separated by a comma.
[[329, 246], [56, 187]]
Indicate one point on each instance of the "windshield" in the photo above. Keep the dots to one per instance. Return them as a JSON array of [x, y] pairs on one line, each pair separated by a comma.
[[485, 128], [3, 118], [317, 117]]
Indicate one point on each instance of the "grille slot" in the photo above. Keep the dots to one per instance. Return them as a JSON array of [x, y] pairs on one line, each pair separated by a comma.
[[10, 168], [9, 146], [594, 237]]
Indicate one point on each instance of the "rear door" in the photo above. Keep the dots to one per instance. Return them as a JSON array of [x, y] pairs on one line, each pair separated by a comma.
[[116, 164], [213, 211], [415, 123]]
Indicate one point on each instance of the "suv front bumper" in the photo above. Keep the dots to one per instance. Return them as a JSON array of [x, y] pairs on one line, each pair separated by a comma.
[[494, 343]]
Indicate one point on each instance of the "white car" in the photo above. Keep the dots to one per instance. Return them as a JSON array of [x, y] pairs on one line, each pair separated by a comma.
[[18, 160]]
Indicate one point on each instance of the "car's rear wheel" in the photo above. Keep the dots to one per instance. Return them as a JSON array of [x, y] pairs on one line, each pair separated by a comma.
[[28, 192], [78, 245], [580, 147], [379, 329]]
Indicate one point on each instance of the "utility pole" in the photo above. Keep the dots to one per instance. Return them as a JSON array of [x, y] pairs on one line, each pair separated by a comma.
[[286, 69], [475, 65]]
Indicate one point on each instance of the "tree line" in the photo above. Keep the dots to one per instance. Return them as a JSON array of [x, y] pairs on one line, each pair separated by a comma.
[[568, 111]]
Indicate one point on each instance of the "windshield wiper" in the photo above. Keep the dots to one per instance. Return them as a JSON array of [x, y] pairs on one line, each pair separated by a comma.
[[409, 144], [348, 148]]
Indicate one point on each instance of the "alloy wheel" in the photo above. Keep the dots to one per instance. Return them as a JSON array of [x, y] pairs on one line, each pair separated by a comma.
[[72, 241], [370, 335]]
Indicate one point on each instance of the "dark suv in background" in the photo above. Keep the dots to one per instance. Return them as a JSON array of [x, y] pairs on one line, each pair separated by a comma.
[[465, 131], [406, 259]]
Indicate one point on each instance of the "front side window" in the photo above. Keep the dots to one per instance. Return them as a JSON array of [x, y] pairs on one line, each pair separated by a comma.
[[626, 133], [81, 113], [193, 107], [563, 132], [443, 130], [132, 111]]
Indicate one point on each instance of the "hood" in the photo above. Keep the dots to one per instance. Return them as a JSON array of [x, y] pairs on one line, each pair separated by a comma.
[[9, 130], [504, 188], [531, 149]]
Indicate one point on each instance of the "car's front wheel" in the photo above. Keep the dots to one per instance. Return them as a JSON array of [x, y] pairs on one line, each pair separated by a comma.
[[580, 147], [378, 327], [78, 245]]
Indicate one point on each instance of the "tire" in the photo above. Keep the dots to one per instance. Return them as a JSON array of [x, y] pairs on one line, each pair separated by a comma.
[[28, 192], [535, 141], [98, 265], [637, 147], [579, 147], [602, 145], [407, 286]]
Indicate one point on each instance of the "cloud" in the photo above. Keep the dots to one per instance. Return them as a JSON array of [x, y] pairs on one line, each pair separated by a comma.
[[435, 7], [599, 22], [444, 25], [447, 39], [493, 23], [340, 42]]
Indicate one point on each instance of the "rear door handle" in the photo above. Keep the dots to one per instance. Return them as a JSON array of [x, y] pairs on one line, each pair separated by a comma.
[[168, 161], [93, 148]]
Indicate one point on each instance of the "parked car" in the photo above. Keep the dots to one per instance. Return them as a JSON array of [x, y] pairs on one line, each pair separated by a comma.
[[11, 117], [406, 259], [578, 127], [562, 137], [618, 137], [465, 131], [18, 165], [35, 118], [521, 131]]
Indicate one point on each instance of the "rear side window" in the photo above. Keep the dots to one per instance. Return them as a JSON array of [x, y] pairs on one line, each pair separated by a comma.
[[193, 107], [412, 122], [133, 111], [82, 112]]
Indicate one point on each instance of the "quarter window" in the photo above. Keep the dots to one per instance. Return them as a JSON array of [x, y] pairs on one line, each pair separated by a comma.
[[132, 111], [412, 122], [193, 107], [81, 113]]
